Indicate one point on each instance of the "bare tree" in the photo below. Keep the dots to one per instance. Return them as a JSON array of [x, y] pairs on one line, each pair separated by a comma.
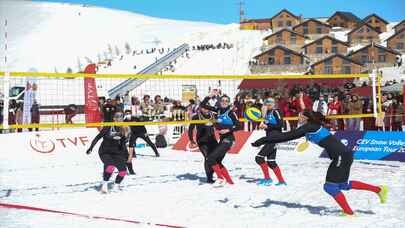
[[127, 48], [117, 51]]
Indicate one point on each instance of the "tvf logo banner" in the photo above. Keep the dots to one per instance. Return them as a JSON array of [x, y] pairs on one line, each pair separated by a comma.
[[374, 145], [43, 143]]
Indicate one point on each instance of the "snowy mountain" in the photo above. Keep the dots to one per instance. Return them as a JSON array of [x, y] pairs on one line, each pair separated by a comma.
[[54, 36]]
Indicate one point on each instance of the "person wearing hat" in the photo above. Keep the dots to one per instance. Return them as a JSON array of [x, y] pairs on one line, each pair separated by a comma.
[[113, 152], [205, 135], [266, 158], [337, 177]]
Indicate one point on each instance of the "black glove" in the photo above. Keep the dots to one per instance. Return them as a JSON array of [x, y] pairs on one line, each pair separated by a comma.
[[89, 151]]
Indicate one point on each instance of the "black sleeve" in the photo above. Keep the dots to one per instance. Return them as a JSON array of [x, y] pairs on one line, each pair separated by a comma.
[[191, 128], [237, 124], [291, 135], [209, 107], [100, 135]]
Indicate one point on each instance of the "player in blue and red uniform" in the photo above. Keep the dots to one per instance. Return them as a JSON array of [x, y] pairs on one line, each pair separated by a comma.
[[272, 124], [226, 124], [337, 177]]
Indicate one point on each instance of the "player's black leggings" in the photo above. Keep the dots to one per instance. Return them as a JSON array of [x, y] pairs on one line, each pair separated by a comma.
[[146, 138], [268, 151], [207, 149], [113, 160], [220, 151]]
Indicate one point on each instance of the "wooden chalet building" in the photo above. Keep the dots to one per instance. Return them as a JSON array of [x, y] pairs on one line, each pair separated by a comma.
[[374, 55], [287, 38], [399, 26], [256, 24], [344, 20], [363, 34], [397, 41], [313, 28], [376, 22], [336, 64], [324, 47], [284, 19], [279, 59]]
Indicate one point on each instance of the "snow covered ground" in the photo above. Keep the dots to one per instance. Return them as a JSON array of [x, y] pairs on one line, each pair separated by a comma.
[[170, 190]]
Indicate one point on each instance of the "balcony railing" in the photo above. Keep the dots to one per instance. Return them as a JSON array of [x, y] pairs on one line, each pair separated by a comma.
[[291, 68]]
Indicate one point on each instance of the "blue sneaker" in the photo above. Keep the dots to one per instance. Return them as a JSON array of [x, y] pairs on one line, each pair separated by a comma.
[[281, 184], [264, 182]]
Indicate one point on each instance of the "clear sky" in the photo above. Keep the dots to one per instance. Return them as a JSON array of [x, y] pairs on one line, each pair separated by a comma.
[[227, 11]]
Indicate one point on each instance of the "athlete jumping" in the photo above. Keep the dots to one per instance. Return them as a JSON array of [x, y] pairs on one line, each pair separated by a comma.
[[337, 177], [272, 124]]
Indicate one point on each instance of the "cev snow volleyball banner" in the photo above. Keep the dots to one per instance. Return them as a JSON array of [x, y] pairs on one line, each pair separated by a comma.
[[374, 145]]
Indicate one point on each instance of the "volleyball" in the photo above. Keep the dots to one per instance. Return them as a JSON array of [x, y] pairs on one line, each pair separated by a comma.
[[253, 114]]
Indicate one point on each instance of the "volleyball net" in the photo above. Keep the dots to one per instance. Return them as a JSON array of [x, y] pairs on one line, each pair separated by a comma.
[[66, 100]]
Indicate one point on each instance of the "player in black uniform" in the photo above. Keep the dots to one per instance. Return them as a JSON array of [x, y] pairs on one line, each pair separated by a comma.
[[272, 124], [226, 123], [205, 136], [337, 177], [113, 152], [139, 132]]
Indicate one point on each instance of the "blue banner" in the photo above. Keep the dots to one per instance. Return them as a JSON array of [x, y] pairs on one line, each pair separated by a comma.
[[374, 145]]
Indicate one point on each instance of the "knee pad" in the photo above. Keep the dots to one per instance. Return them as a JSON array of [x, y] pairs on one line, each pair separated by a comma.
[[122, 173], [345, 186], [272, 164], [331, 189], [110, 169], [259, 159]]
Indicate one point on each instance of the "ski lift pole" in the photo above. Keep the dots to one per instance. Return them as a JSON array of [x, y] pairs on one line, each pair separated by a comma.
[[6, 81]]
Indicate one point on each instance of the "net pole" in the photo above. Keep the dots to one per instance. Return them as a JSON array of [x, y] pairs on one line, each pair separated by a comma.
[[6, 81], [374, 89]]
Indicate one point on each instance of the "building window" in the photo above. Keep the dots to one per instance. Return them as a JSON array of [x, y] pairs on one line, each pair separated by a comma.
[[280, 24], [360, 30], [271, 61], [334, 42], [401, 36], [378, 29], [364, 59], [345, 61], [381, 59], [400, 46], [364, 51], [319, 42], [293, 38], [319, 29], [347, 70], [287, 60], [271, 52], [328, 70], [319, 50], [334, 50], [328, 62], [368, 29], [305, 30], [381, 51], [289, 23]]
